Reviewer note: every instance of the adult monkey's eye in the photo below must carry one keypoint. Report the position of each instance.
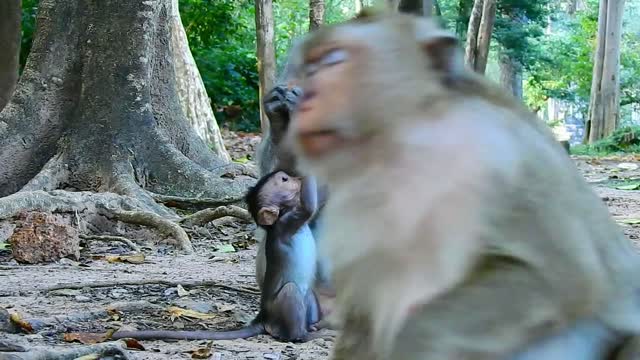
(285, 179)
(334, 57)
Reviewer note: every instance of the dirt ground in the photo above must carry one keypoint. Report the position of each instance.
(216, 282)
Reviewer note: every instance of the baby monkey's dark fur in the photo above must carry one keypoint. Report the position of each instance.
(288, 306)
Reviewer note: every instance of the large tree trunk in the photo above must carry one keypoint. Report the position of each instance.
(483, 16)
(427, 8)
(10, 16)
(195, 102)
(484, 35)
(604, 107)
(410, 6)
(316, 14)
(511, 75)
(266, 53)
(98, 111)
(471, 50)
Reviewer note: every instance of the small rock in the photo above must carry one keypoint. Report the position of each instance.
(82, 298)
(42, 237)
(628, 166)
(56, 80)
(69, 262)
(198, 306)
(118, 293)
(170, 292)
(65, 292)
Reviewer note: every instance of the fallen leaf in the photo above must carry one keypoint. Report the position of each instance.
(88, 338)
(133, 344)
(226, 248)
(225, 307)
(177, 312)
(629, 187)
(628, 166)
(629, 221)
(5, 246)
(23, 324)
(181, 291)
(202, 353)
(131, 259)
(94, 356)
(66, 292)
(242, 160)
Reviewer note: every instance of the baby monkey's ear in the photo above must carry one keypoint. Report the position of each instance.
(268, 215)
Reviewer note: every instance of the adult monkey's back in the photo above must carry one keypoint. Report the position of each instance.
(458, 228)
(272, 154)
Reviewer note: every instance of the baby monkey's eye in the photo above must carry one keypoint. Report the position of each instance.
(285, 179)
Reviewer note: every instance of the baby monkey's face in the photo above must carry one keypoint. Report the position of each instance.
(279, 194)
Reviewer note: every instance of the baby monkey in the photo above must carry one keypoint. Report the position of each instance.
(289, 309)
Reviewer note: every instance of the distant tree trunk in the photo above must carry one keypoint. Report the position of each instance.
(410, 6)
(266, 53)
(571, 7)
(358, 5)
(97, 109)
(484, 35)
(393, 4)
(464, 7)
(511, 75)
(316, 14)
(604, 105)
(471, 50)
(195, 102)
(10, 16)
(427, 8)
(436, 4)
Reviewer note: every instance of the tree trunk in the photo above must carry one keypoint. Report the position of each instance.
(358, 6)
(410, 6)
(484, 35)
(511, 75)
(471, 50)
(604, 107)
(266, 53)
(316, 14)
(571, 7)
(427, 8)
(96, 110)
(195, 102)
(10, 16)
(436, 4)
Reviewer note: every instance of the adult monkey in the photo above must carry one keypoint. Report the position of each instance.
(458, 228)
(271, 154)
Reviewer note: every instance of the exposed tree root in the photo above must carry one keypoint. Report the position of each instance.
(62, 322)
(59, 201)
(185, 203)
(110, 238)
(203, 217)
(50, 177)
(247, 290)
(164, 226)
(112, 350)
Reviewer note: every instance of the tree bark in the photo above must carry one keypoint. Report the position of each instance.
(266, 53)
(484, 35)
(471, 50)
(511, 75)
(436, 4)
(99, 111)
(195, 102)
(427, 8)
(410, 6)
(604, 105)
(10, 16)
(316, 14)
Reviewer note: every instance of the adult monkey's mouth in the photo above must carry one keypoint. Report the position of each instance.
(316, 143)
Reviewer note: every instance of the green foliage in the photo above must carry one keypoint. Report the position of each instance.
(29, 12)
(221, 36)
(625, 139)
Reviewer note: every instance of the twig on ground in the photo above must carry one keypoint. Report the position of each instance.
(63, 321)
(166, 227)
(171, 283)
(185, 203)
(109, 238)
(205, 216)
(40, 353)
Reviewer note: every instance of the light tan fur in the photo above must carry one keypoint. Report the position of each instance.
(437, 179)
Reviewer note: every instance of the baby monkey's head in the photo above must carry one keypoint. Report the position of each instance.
(273, 195)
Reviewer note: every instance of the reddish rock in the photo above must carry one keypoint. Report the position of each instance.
(42, 237)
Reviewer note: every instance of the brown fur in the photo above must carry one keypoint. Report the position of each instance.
(449, 196)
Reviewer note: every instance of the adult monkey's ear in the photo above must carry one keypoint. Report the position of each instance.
(268, 215)
(441, 48)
